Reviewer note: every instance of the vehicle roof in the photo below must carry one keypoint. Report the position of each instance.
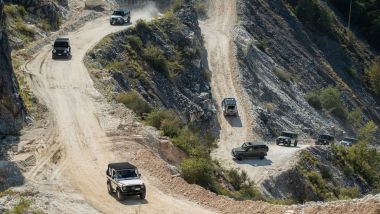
(326, 135)
(122, 9)
(230, 101)
(351, 138)
(288, 132)
(61, 39)
(255, 143)
(122, 165)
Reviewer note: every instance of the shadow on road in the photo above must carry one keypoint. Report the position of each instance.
(234, 121)
(255, 162)
(131, 200)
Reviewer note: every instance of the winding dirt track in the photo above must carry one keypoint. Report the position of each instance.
(218, 32)
(67, 89)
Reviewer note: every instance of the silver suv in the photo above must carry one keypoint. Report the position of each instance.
(229, 107)
(120, 17)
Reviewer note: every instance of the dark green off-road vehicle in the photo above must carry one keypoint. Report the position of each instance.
(250, 150)
(287, 138)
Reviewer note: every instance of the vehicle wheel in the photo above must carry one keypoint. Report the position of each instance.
(119, 196)
(239, 158)
(295, 144)
(142, 196)
(277, 143)
(262, 157)
(109, 187)
(129, 20)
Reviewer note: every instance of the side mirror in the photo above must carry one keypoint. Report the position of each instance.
(139, 174)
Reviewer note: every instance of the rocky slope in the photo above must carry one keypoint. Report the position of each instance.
(178, 81)
(11, 107)
(282, 58)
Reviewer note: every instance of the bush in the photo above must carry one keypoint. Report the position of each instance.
(198, 171)
(20, 208)
(355, 117)
(156, 58)
(176, 5)
(135, 42)
(14, 10)
(142, 26)
(313, 99)
(348, 193)
(330, 99)
(165, 120)
(190, 142)
(201, 7)
(373, 73)
(282, 74)
(262, 45)
(367, 133)
(134, 102)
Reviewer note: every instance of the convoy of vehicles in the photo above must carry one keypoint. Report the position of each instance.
(124, 178)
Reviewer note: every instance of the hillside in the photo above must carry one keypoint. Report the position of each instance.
(300, 76)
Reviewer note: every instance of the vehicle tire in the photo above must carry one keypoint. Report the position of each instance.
(277, 143)
(239, 158)
(142, 196)
(129, 20)
(119, 196)
(295, 144)
(109, 188)
(262, 157)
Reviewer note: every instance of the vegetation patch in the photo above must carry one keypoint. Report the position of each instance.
(373, 73)
(330, 100)
(133, 101)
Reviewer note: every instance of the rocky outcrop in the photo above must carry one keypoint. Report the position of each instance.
(281, 60)
(11, 107)
(47, 10)
(184, 88)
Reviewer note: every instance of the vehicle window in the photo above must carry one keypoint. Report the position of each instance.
(61, 44)
(126, 174)
(286, 134)
(118, 13)
(231, 107)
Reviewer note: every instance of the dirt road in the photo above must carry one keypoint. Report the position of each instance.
(67, 90)
(218, 30)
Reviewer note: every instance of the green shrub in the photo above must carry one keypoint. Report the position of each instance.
(176, 5)
(314, 16)
(349, 193)
(156, 58)
(24, 29)
(351, 71)
(14, 10)
(313, 99)
(171, 127)
(201, 7)
(189, 142)
(156, 117)
(135, 42)
(331, 101)
(325, 172)
(198, 171)
(367, 133)
(21, 208)
(282, 74)
(373, 73)
(134, 102)
(142, 26)
(355, 117)
(262, 45)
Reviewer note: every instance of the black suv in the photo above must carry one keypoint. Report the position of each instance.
(229, 107)
(250, 150)
(287, 138)
(61, 48)
(124, 178)
(324, 139)
(120, 17)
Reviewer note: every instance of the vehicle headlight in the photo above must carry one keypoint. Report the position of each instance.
(54, 51)
(143, 186)
(65, 51)
(124, 188)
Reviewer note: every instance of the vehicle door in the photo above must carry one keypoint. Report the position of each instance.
(113, 176)
(251, 152)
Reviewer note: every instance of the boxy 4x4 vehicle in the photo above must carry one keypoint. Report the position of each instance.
(229, 107)
(287, 138)
(120, 17)
(250, 150)
(124, 178)
(348, 141)
(61, 48)
(324, 139)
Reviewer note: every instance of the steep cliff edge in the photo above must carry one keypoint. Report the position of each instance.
(11, 107)
(283, 59)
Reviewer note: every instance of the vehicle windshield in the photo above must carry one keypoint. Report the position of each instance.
(231, 107)
(118, 13)
(325, 137)
(61, 44)
(127, 174)
(351, 140)
(287, 134)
